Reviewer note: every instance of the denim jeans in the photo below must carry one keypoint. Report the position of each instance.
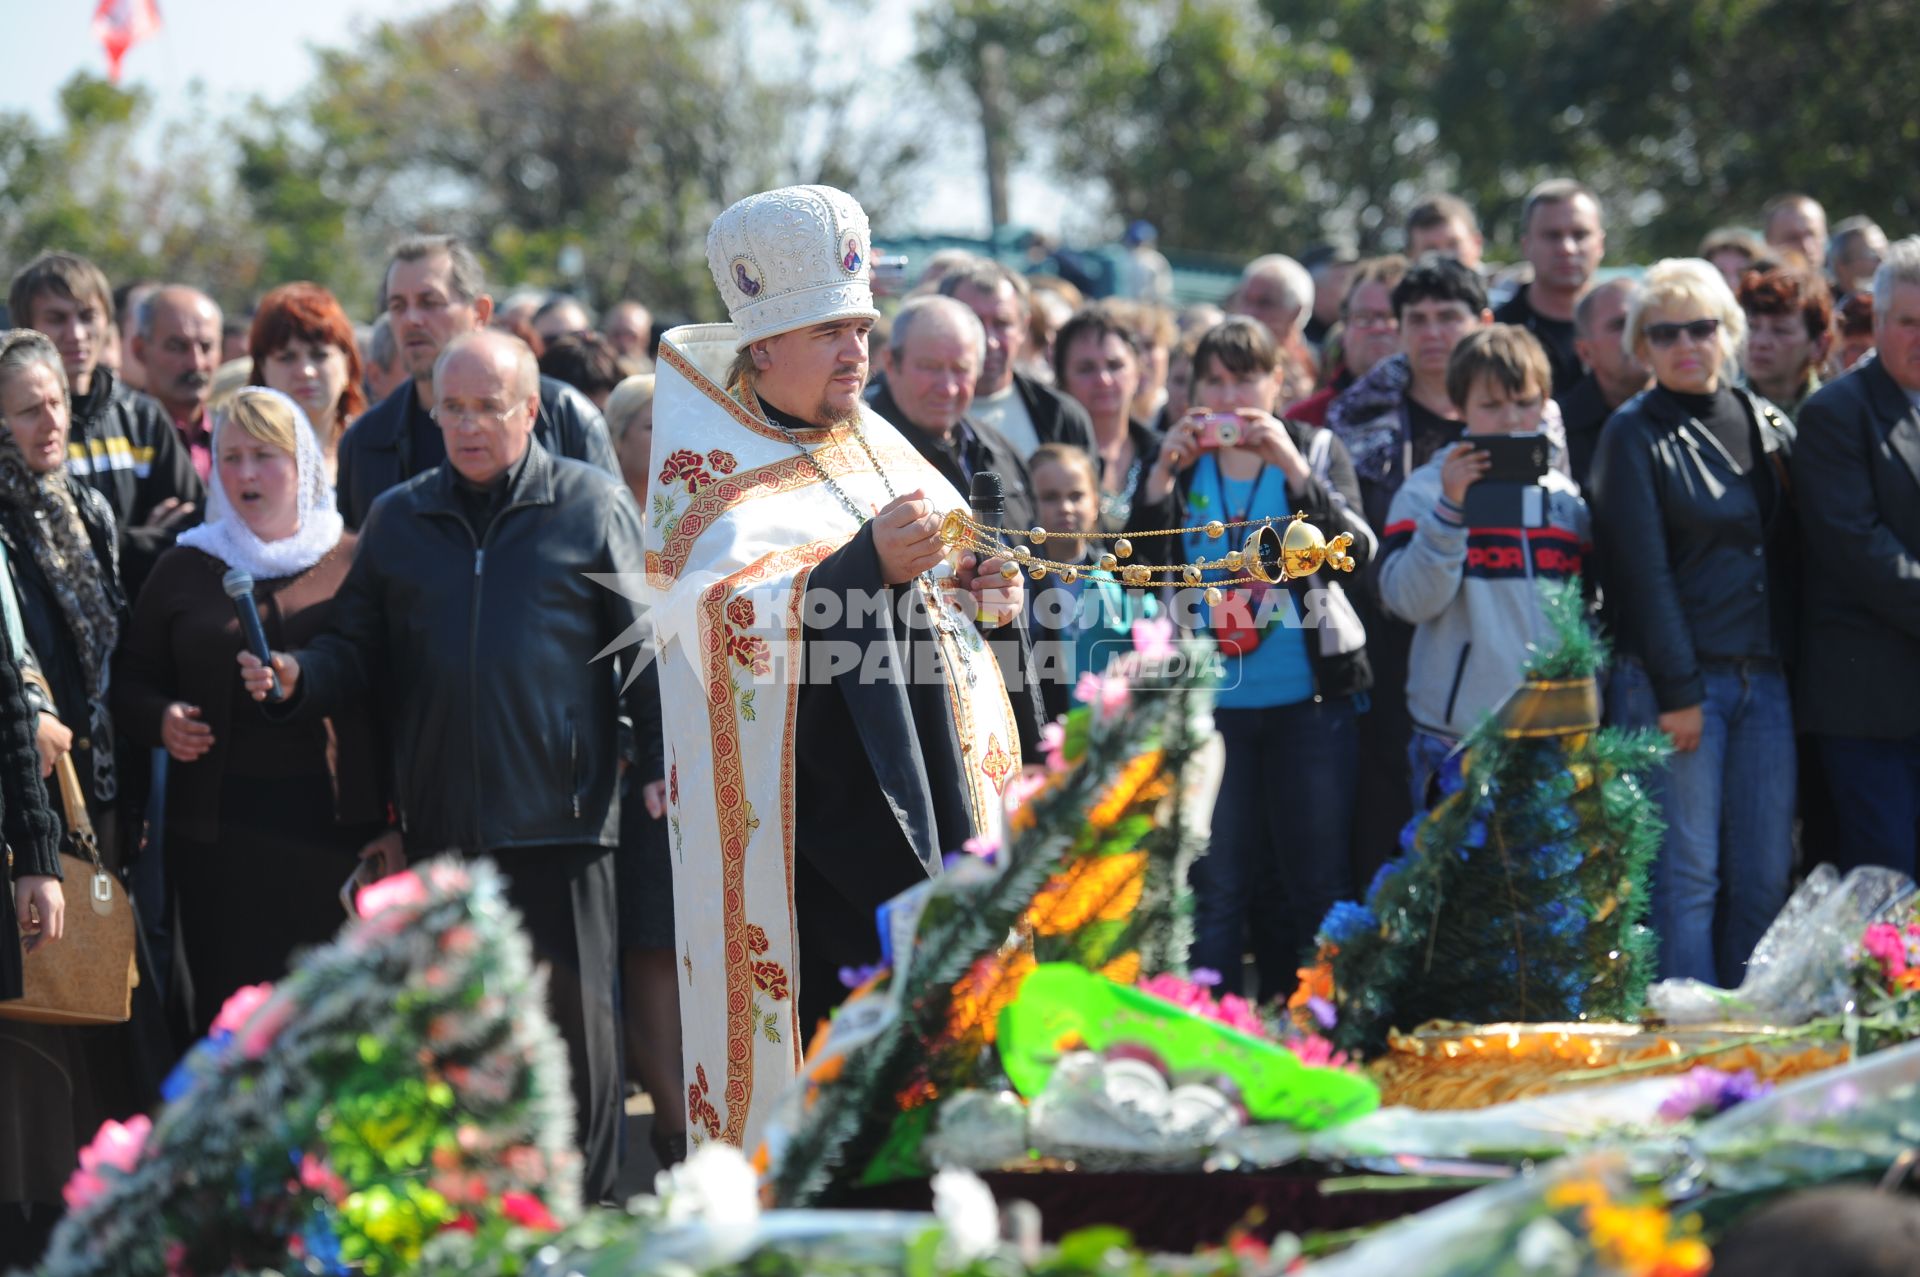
(1281, 824)
(1425, 753)
(1723, 871)
(1875, 786)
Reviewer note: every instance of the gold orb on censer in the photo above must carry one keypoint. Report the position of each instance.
(1300, 551)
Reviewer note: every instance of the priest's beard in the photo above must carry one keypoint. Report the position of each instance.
(827, 415)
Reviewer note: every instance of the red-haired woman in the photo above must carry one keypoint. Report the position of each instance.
(302, 346)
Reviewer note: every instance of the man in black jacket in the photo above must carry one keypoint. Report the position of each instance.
(933, 358)
(472, 602)
(120, 443)
(433, 293)
(1025, 411)
(1563, 237)
(1856, 473)
(1613, 375)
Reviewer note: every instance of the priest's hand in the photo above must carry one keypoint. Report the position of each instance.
(997, 599)
(906, 536)
(258, 682)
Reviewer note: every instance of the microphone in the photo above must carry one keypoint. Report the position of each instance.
(238, 583)
(988, 497)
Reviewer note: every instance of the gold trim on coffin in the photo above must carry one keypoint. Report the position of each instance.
(1461, 1066)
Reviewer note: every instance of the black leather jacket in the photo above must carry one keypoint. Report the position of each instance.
(124, 447)
(1688, 570)
(376, 452)
(483, 652)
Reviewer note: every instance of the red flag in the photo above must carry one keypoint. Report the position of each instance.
(121, 24)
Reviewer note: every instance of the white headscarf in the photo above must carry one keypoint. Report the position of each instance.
(226, 536)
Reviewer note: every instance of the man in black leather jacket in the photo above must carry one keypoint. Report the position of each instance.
(434, 292)
(470, 606)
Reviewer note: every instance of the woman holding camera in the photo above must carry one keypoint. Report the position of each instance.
(1694, 527)
(1293, 657)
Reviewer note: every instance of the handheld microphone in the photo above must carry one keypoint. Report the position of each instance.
(238, 583)
(987, 499)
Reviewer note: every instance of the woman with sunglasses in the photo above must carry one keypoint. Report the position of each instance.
(1693, 525)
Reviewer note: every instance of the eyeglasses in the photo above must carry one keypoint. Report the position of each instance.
(485, 418)
(1699, 331)
(1375, 319)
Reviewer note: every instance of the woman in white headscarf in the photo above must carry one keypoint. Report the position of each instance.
(265, 821)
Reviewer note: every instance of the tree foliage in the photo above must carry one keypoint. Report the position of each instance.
(99, 184)
(616, 130)
(1250, 125)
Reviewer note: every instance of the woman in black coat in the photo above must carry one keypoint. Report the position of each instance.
(56, 1083)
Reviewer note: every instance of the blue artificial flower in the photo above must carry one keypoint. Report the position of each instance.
(1410, 835)
(1382, 876)
(201, 1057)
(1476, 835)
(1562, 821)
(1556, 860)
(1563, 920)
(1346, 921)
(1449, 774)
(322, 1246)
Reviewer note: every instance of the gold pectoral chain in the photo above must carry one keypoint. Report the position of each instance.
(1267, 557)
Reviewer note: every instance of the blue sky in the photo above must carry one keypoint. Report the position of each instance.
(237, 49)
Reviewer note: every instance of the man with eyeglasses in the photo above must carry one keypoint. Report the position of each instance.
(1614, 375)
(434, 292)
(1369, 333)
(473, 609)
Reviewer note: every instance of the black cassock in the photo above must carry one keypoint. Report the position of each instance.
(880, 791)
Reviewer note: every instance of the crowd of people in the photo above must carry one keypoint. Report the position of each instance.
(424, 508)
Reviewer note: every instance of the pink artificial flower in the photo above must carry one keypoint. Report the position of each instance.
(1238, 1013)
(1317, 1052)
(1108, 696)
(177, 1259)
(984, 847)
(240, 1006)
(459, 940)
(390, 891)
(527, 1211)
(316, 1176)
(1882, 940)
(448, 876)
(264, 1026)
(1232, 1010)
(115, 1146)
(1024, 786)
(1153, 637)
(403, 888)
(1053, 743)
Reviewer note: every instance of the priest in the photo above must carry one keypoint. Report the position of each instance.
(835, 721)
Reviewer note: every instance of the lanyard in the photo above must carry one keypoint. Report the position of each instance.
(1220, 482)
